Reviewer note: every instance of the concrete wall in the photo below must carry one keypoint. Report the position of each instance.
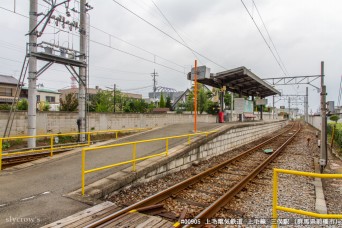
(316, 121)
(54, 122)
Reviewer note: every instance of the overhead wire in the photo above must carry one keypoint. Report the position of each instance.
(339, 93)
(269, 36)
(119, 50)
(173, 28)
(165, 33)
(133, 45)
(136, 56)
(263, 37)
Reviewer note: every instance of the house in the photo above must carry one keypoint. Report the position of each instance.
(43, 94)
(173, 95)
(8, 85)
(94, 91)
(181, 99)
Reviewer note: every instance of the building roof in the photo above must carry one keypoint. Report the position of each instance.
(240, 80)
(42, 90)
(5, 79)
(187, 91)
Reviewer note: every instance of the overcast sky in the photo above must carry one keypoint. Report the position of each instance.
(304, 32)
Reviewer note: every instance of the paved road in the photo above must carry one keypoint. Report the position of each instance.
(34, 196)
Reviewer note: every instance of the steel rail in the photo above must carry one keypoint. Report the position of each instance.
(213, 208)
(154, 199)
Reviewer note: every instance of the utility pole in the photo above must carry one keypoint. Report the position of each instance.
(273, 107)
(83, 69)
(32, 78)
(114, 96)
(307, 105)
(154, 75)
(231, 105)
(289, 107)
(324, 155)
(195, 98)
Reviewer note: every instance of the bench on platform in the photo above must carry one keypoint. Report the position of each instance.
(249, 116)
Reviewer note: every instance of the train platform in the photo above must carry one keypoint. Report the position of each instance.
(38, 192)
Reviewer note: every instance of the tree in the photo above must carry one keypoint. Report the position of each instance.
(213, 108)
(228, 100)
(168, 102)
(104, 101)
(162, 101)
(69, 104)
(189, 104)
(202, 100)
(136, 106)
(334, 118)
(44, 106)
(151, 106)
(22, 104)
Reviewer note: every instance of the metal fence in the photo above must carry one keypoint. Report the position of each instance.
(53, 142)
(134, 159)
(276, 207)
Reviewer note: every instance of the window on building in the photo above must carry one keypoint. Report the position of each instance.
(38, 98)
(7, 92)
(50, 99)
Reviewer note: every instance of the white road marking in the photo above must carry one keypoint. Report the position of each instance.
(31, 197)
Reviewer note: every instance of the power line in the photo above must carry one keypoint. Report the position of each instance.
(128, 53)
(269, 36)
(133, 45)
(173, 28)
(136, 56)
(340, 93)
(165, 33)
(263, 38)
(131, 89)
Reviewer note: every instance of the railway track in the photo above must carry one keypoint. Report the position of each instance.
(193, 201)
(17, 160)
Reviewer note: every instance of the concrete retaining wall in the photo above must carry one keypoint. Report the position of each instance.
(55, 122)
(228, 139)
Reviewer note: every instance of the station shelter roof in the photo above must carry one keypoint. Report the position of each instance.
(240, 80)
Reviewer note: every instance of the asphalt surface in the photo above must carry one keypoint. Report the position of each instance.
(33, 197)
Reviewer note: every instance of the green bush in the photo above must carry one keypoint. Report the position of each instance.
(337, 134)
(22, 104)
(5, 107)
(6, 145)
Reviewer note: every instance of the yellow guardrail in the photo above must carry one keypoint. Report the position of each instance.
(56, 146)
(276, 207)
(134, 153)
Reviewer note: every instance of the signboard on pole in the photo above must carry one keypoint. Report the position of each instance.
(261, 101)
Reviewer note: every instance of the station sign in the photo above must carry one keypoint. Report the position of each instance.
(202, 72)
